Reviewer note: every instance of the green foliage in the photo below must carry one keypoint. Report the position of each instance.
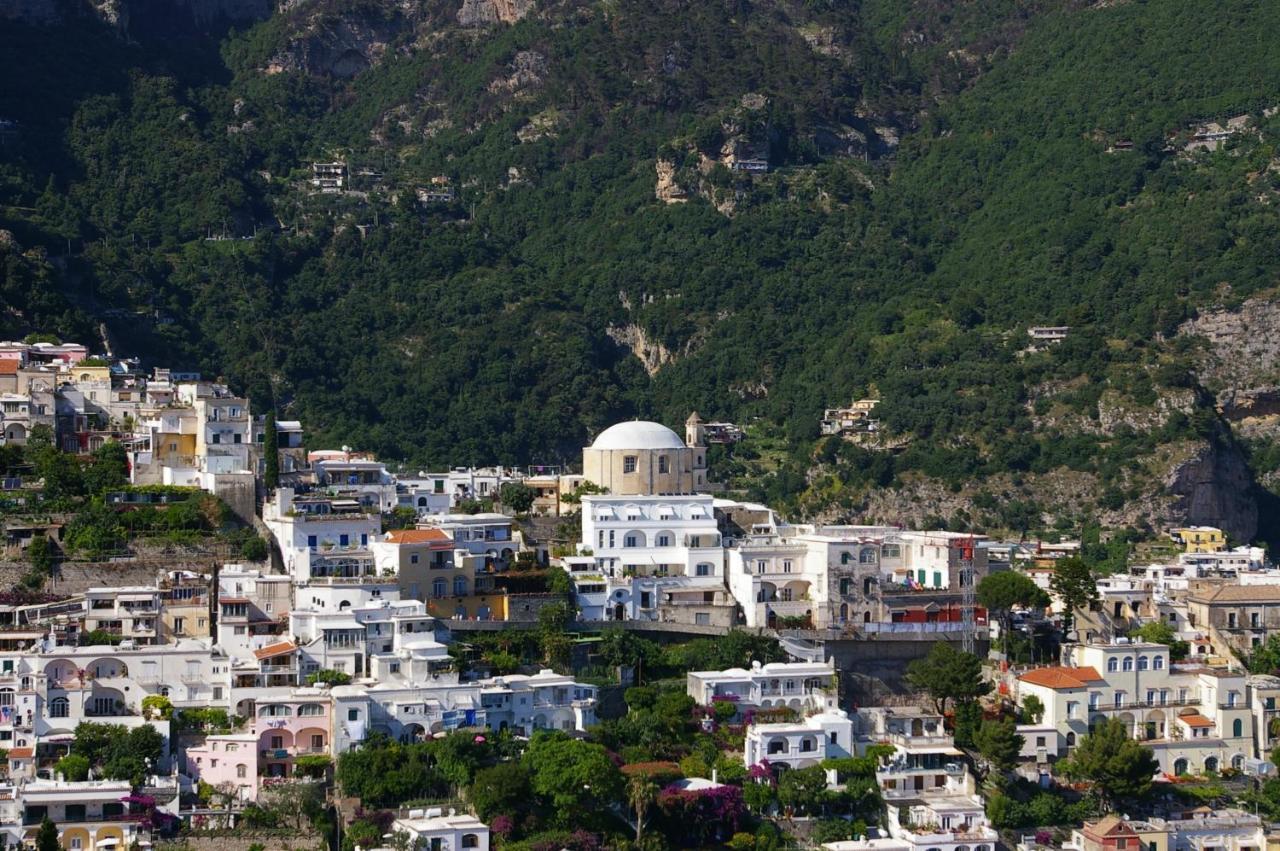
(1074, 584)
(73, 767)
(948, 675)
(517, 496)
(118, 752)
(999, 742)
(385, 773)
(157, 706)
(803, 791)
(40, 554)
(1118, 766)
(1003, 209)
(270, 454)
(47, 836)
(1159, 632)
(1006, 589)
(205, 719)
(502, 789)
(620, 648)
(571, 775)
(329, 677)
(109, 469)
(735, 649)
(254, 548)
(1032, 709)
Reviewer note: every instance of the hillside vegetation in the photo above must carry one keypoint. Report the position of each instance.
(942, 176)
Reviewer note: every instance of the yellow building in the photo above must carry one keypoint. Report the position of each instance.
(1200, 539)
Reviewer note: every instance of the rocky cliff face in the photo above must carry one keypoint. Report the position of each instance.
(1240, 363)
(337, 46)
(124, 15)
(481, 12)
(1215, 488)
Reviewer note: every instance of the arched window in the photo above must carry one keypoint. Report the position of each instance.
(1128, 663)
(275, 710)
(1237, 728)
(867, 556)
(1071, 740)
(807, 744)
(460, 586)
(663, 540)
(1113, 664)
(1180, 767)
(422, 502)
(1157, 662)
(470, 840)
(777, 746)
(310, 710)
(1142, 663)
(438, 588)
(59, 707)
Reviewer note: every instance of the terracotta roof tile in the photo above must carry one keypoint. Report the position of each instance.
(1195, 720)
(1061, 677)
(280, 649)
(21, 753)
(418, 536)
(8, 366)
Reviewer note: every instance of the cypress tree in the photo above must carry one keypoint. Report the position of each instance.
(271, 454)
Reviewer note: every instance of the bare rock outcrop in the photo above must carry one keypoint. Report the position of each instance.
(653, 354)
(338, 46)
(1241, 361)
(481, 12)
(1215, 488)
(668, 190)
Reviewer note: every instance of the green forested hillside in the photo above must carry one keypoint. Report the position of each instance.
(940, 180)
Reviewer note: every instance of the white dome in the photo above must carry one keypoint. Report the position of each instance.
(638, 435)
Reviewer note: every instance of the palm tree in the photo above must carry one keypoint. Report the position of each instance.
(641, 793)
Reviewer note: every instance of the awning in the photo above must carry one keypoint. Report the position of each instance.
(109, 842)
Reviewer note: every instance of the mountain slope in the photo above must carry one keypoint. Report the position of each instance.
(942, 175)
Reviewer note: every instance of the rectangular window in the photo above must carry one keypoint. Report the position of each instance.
(353, 714)
(344, 540)
(702, 618)
(413, 559)
(663, 465)
(216, 438)
(311, 542)
(628, 464)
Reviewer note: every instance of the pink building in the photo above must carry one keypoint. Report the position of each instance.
(227, 761)
(282, 729)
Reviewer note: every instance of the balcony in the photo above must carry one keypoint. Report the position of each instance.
(270, 670)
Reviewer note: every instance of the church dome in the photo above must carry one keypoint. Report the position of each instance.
(638, 434)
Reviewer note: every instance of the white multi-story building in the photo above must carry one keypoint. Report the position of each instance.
(130, 612)
(412, 710)
(364, 480)
(435, 830)
(802, 686)
(652, 535)
(1195, 718)
(800, 744)
(322, 537)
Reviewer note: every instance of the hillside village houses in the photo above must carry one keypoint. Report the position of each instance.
(381, 606)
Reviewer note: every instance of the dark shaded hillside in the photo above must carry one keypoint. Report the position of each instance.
(942, 175)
